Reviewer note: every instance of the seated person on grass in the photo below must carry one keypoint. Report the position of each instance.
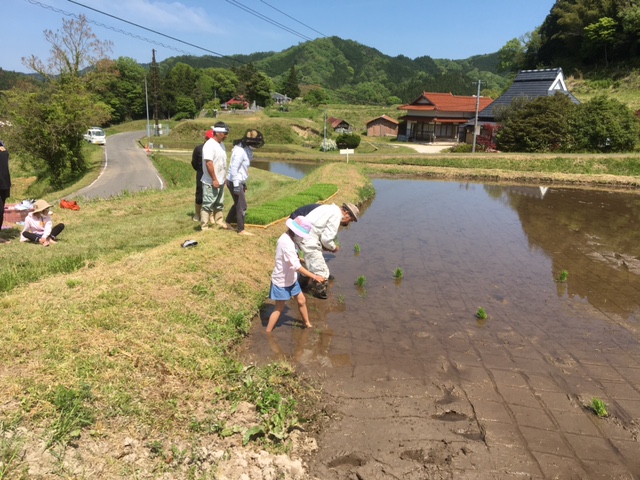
(38, 227)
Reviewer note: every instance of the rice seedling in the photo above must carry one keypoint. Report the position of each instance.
(398, 273)
(356, 248)
(361, 281)
(482, 314)
(599, 407)
(562, 278)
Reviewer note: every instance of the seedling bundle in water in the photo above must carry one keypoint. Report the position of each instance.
(361, 281)
(398, 273)
(564, 275)
(482, 314)
(356, 248)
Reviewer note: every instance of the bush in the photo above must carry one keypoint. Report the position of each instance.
(348, 140)
(605, 125)
(328, 145)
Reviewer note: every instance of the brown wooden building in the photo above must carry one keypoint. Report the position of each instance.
(382, 126)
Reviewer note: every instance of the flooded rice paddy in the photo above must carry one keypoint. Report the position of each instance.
(419, 387)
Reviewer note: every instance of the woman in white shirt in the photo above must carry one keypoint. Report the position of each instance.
(38, 227)
(241, 156)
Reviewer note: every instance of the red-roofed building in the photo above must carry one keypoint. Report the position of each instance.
(339, 125)
(439, 116)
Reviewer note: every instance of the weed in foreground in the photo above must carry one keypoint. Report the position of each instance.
(73, 414)
(11, 449)
(599, 407)
(274, 402)
(482, 314)
(562, 278)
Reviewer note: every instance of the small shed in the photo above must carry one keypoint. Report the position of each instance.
(382, 126)
(339, 125)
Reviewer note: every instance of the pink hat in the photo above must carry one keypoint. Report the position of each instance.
(300, 226)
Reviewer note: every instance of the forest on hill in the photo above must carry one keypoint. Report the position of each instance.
(592, 40)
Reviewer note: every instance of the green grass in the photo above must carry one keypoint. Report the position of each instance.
(398, 273)
(481, 313)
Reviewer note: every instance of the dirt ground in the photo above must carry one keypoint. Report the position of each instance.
(417, 387)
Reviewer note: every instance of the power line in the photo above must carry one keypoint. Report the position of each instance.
(266, 19)
(117, 30)
(150, 30)
(294, 19)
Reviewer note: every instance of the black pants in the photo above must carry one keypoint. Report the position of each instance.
(198, 188)
(239, 210)
(35, 237)
(4, 194)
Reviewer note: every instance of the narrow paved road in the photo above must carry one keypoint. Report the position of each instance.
(127, 169)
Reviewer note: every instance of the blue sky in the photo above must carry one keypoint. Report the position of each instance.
(413, 28)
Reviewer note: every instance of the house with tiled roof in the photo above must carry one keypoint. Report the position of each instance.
(438, 116)
(382, 126)
(529, 84)
(339, 125)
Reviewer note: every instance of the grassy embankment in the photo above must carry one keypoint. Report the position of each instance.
(118, 332)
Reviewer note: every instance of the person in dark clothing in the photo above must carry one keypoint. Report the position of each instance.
(5, 183)
(196, 163)
(305, 210)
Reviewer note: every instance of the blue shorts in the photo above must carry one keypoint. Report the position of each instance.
(285, 293)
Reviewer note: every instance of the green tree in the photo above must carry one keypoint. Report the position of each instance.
(48, 121)
(259, 90)
(291, 87)
(185, 107)
(48, 124)
(316, 97)
(603, 33)
(539, 125)
(511, 56)
(604, 124)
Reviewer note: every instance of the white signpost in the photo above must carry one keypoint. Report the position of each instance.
(346, 151)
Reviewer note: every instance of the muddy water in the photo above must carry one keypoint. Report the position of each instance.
(419, 387)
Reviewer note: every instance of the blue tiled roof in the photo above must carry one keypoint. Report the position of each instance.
(529, 84)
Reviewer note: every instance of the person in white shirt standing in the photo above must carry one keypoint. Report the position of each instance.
(241, 156)
(214, 172)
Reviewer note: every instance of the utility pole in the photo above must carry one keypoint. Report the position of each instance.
(476, 128)
(154, 68)
(146, 99)
(325, 131)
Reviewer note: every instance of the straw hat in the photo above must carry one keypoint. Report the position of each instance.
(353, 210)
(40, 205)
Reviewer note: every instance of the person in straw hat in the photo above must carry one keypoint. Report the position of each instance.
(326, 219)
(284, 279)
(38, 227)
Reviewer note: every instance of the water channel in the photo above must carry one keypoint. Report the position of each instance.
(509, 391)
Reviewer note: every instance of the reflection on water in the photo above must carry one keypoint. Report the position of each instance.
(289, 169)
(593, 235)
(466, 245)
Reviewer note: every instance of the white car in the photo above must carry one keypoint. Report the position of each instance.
(96, 136)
